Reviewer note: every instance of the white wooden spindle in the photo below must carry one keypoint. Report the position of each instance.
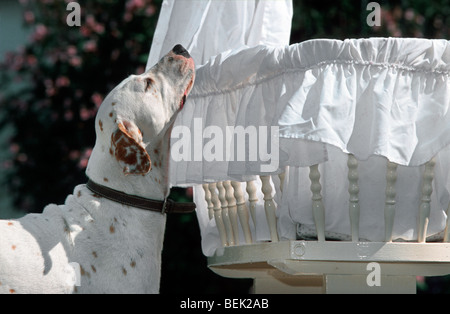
(447, 228)
(389, 208)
(218, 214)
(269, 207)
(317, 204)
(242, 211)
(252, 199)
(424, 209)
(208, 201)
(225, 213)
(281, 177)
(353, 190)
(232, 210)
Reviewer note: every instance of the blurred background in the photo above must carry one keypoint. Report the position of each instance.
(53, 79)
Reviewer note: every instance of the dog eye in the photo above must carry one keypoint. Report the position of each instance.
(148, 83)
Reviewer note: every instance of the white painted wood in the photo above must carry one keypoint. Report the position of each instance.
(242, 211)
(389, 208)
(318, 208)
(353, 190)
(447, 228)
(232, 210)
(225, 214)
(281, 176)
(296, 266)
(424, 209)
(252, 200)
(342, 257)
(208, 201)
(357, 284)
(269, 207)
(218, 214)
(276, 283)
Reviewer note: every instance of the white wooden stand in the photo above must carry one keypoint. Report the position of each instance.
(333, 267)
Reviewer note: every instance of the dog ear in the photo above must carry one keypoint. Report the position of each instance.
(129, 150)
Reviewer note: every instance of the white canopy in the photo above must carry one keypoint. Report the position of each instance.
(379, 99)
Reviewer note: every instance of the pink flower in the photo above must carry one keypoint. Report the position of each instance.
(14, 148)
(94, 25)
(85, 31)
(135, 4)
(84, 114)
(22, 158)
(74, 154)
(31, 60)
(68, 115)
(409, 14)
(82, 164)
(40, 32)
(90, 46)
(75, 61)
(72, 50)
(29, 17)
(7, 164)
(62, 81)
(97, 99)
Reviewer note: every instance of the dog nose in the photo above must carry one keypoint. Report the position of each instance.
(179, 50)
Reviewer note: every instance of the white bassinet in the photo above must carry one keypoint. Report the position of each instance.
(341, 140)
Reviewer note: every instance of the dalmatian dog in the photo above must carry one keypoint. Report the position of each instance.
(103, 240)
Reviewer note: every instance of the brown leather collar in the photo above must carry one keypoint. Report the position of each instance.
(166, 206)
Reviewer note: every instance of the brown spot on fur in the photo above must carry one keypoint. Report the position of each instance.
(100, 123)
(93, 268)
(133, 264)
(13, 247)
(111, 151)
(84, 272)
(105, 179)
(75, 289)
(94, 253)
(10, 223)
(124, 271)
(79, 194)
(113, 103)
(111, 114)
(12, 291)
(112, 229)
(156, 151)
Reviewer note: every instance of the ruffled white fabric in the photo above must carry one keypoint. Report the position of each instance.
(383, 97)
(207, 28)
(379, 99)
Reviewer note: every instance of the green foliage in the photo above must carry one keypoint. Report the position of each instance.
(347, 19)
(53, 87)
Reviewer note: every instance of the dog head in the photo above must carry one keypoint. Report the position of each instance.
(140, 111)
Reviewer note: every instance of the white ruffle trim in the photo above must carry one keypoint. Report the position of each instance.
(386, 97)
